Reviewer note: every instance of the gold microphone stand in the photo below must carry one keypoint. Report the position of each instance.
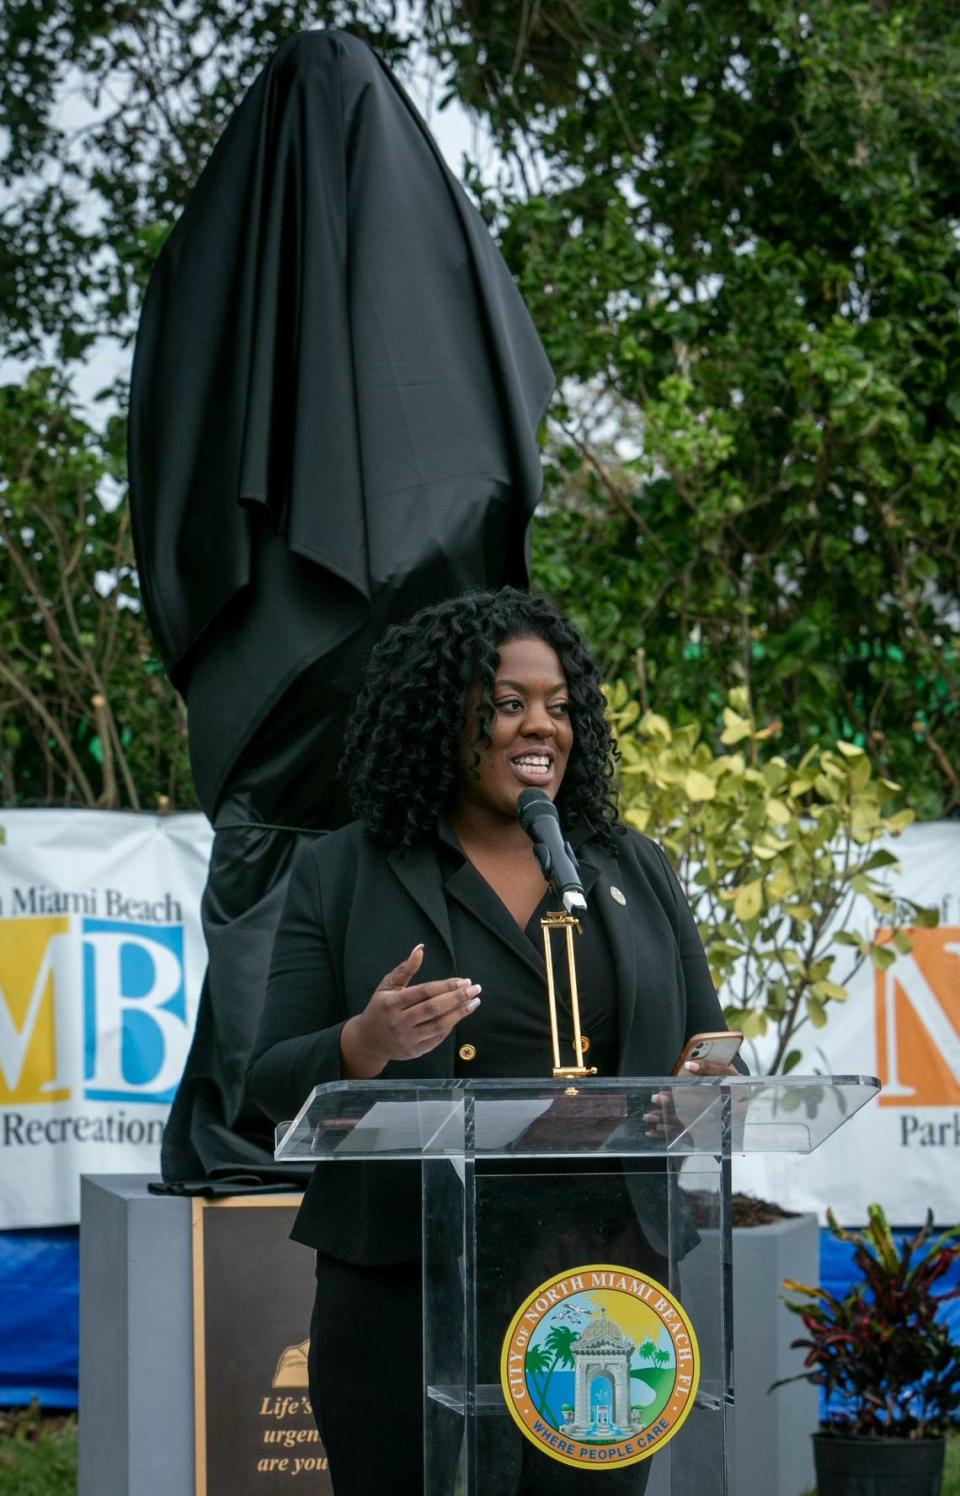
(559, 920)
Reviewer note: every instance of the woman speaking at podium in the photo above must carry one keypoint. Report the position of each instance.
(410, 947)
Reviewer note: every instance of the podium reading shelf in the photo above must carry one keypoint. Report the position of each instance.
(576, 1262)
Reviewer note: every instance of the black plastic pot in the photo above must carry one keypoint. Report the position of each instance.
(878, 1467)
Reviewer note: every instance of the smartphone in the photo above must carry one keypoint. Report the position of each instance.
(720, 1049)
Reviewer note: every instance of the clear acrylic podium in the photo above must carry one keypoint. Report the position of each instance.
(554, 1216)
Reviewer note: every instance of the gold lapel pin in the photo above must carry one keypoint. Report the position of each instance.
(616, 895)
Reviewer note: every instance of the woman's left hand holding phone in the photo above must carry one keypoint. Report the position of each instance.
(403, 1021)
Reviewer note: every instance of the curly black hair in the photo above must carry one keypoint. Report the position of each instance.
(402, 760)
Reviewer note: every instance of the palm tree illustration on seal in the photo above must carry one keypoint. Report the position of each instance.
(648, 1351)
(536, 1364)
(542, 1360)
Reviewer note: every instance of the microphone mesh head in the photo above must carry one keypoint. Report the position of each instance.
(531, 804)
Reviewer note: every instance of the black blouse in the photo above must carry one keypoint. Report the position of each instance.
(509, 1034)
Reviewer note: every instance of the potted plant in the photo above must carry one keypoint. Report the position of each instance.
(885, 1363)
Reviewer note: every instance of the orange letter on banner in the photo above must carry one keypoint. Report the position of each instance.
(918, 1022)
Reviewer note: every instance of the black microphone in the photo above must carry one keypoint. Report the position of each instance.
(539, 819)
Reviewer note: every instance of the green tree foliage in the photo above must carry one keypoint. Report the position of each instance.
(87, 716)
(736, 227)
(110, 112)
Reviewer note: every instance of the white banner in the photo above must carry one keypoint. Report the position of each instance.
(902, 1025)
(101, 962)
(102, 958)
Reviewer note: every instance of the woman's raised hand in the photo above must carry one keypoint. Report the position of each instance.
(402, 1022)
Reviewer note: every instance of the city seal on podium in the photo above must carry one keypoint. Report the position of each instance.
(600, 1366)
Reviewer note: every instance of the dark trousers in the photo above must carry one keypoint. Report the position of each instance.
(366, 1387)
(366, 1376)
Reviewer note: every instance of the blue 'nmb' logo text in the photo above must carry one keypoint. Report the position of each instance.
(135, 1011)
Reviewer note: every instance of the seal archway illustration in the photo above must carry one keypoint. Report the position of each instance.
(602, 1354)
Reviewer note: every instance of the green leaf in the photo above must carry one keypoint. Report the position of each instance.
(878, 859)
(749, 900)
(777, 813)
(656, 725)
(816, 1013)
(752, 1025)
(925, 916)
(765, 852)
(781, 884)
(860, 773)
(736, 728)
(699, 786)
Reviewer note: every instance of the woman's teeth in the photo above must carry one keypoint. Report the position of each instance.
(534, 764)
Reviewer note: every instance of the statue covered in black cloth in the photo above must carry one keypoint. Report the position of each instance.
(334, 414)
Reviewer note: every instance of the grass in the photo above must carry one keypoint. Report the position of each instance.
(38, 1453)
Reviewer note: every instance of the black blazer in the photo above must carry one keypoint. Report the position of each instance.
(354, 910)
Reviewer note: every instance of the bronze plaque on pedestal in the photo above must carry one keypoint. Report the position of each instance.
(252, 1299)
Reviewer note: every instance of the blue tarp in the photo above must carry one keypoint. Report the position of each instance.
(39, 1300)
(39, 1316)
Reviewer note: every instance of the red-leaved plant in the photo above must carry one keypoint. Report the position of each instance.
(881, 1348)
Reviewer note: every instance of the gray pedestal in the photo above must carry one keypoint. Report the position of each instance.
(774, 1451)
(136, 1340)
(136, 1349)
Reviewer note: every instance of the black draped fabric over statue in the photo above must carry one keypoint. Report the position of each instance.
(334, 414)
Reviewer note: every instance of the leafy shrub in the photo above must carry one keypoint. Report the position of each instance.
(771, 857)
(882, 1348)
